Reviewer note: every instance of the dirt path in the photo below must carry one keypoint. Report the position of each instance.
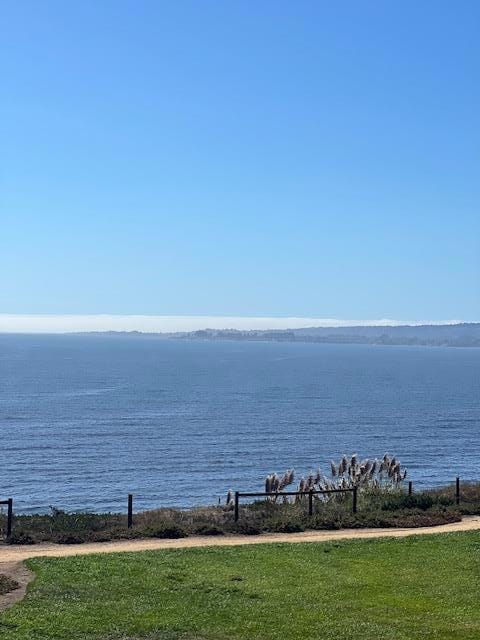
(11, 557)
(19, 553)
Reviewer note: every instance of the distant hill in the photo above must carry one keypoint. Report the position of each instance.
(451, 335)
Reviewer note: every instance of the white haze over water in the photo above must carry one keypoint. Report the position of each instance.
(46, 323)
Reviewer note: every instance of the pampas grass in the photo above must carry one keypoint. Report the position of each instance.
(385, 474)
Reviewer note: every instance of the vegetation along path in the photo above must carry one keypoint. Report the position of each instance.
(18, 553)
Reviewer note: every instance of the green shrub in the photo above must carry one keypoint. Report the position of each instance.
(280, 525)
(70, 538)
(165, 531)
(445, 501)
(208, 530)
(20, 537)
(421, 501)
(100, 536)
(247, 527)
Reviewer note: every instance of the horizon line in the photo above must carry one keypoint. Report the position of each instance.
(84, 323)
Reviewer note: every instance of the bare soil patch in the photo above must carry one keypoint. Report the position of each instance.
(14, 579)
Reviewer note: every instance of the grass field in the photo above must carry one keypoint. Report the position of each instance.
(421, 587)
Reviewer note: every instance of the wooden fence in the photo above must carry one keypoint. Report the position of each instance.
(245, 494)
(9, 504)
(310, 494)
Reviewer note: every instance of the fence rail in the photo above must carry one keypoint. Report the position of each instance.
(310, 494)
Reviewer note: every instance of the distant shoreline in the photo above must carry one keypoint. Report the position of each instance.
(428, 335)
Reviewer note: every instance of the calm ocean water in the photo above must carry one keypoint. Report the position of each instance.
(86, 419)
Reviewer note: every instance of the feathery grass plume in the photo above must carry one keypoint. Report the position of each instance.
(275, 483)
(272, 482)
(386, 473)
(283, 481)
(291, 476)
(268, 484)
(229, 498)
(310, 481)
(288, 478)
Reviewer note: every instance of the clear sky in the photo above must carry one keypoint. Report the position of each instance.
(270, 158)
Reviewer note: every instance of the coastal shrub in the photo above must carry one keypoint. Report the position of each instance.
(430, 518)
(247, 528)
(421, 501)
(100, 536)
(123, 534)
(70, 538)
(284, 525)
(249, 524)
(397, 519)
(444, 500)
(208, 530)
(165, 531)
(47, 527)
(20, 537)
(469, 497)
(60, 521)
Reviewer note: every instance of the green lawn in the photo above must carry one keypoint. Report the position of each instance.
(425, 587)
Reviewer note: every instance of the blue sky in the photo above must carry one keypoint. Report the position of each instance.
(229, 158)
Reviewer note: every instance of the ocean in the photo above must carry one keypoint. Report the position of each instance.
(87, 419)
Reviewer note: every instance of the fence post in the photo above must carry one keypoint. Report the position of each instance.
(130, 511)
(9, 517)
(457, 490)
(410, 488)
(310, 503)
(354, 506)
(236, 506)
